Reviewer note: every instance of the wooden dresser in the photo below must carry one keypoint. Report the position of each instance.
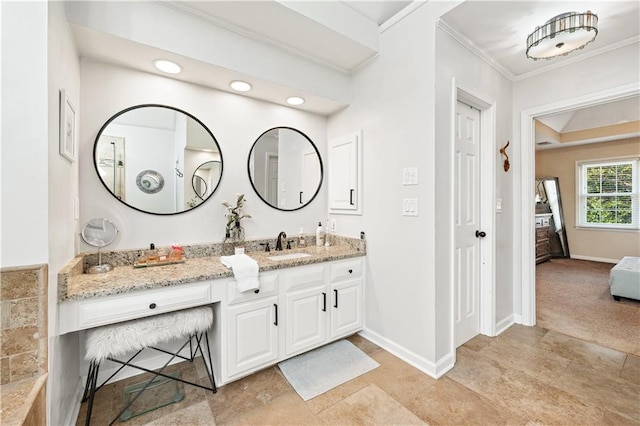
(543, 250)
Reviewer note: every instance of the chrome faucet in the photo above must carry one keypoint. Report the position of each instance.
(279, 240)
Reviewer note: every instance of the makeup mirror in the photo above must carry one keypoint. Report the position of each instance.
(99, 233)
(147, 156)
(285, 168)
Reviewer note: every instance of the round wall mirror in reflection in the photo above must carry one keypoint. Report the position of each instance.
(146, 155)
(285, 168)
(205, 177)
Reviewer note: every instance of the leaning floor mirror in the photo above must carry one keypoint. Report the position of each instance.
(549, 201)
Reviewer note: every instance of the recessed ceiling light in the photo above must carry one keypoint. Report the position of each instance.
(295, 100)
(240, 86)
(167, 66)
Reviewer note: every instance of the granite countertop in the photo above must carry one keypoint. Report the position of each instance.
(73, 284)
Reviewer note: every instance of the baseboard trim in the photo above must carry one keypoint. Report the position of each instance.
(502, 325)
(435, 370)
(594, 259)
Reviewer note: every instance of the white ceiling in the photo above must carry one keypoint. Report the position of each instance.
(343, 35)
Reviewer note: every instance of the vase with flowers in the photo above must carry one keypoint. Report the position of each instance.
(234, 232)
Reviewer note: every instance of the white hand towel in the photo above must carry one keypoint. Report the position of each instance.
(245, 271)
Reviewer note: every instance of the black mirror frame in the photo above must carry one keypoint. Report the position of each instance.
(319, 160)
(113, 117)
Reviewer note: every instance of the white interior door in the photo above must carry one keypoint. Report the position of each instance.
(467, 224)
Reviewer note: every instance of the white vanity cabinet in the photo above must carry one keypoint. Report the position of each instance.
(253, 326)
(347, 297)
(306, 308)
(345, 174)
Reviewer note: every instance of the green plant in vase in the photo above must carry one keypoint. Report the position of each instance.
(234, 231)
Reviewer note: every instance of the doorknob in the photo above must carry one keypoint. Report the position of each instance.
(481, 234)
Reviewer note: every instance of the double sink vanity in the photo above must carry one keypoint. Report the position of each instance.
(307, 297)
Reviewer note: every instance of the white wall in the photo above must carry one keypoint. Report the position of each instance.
(394, 105)
(235, 121)
(25, 186)
(455, 61)
(591, 76)
(64, 73)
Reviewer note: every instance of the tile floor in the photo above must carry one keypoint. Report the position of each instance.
(526, 376)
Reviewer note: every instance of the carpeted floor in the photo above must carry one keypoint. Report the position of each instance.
(572, 297)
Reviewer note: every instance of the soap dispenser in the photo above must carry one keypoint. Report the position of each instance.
(319, 235)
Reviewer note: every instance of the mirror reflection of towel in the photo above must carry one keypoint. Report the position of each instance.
(245, 271)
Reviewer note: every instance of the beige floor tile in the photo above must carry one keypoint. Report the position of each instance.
(631, 369)
(602, 390)
(194, 415)
(478, 342)
(363, 344)
(475, 372)
(523, 334)
(247, 393)
(450, 403)
(588, 354)
(538, 362)
(337, 394)
(288, 409)
(616, 419)
(369, 406)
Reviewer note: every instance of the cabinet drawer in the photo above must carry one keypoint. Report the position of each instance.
(268, 287)
(542, 249)
(542, 234)
(122, 308)
(346, 269)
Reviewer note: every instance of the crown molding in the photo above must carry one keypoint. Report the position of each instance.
(475, 49)
(582, 57)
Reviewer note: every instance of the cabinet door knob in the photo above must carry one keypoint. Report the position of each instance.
(152, 306)
(351, 271)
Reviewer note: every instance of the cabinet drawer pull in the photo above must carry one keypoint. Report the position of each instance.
(351, 196)
(257, 291)
(324, 302)
(152, 306)
(275, 306)
(335, 303)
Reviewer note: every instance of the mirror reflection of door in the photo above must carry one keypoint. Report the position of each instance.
(271, 178)
(285, 168)
(110, 158)
(310, 169)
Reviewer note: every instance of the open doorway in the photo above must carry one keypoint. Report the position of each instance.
(597, 100)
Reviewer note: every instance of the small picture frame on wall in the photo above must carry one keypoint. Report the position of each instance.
(68, 143)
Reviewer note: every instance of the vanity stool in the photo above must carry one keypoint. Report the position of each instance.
(112, 341)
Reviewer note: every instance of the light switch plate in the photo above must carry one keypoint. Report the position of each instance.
(499, 205)
(410, 207)
(410, 176)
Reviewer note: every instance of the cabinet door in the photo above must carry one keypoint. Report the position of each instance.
(346, 307)
(253, 335)
(345, 166)
(306, 323)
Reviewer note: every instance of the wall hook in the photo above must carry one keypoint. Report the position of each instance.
(503, 151)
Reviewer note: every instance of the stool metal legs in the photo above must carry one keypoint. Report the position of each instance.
(195, 346)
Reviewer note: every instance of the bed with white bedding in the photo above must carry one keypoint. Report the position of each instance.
(624, 278)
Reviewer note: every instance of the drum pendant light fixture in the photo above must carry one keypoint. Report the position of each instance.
(562, 34)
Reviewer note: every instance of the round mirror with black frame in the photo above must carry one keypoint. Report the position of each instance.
(285, 168)
(146, 157)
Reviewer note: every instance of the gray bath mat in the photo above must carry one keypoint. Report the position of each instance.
(322, 369)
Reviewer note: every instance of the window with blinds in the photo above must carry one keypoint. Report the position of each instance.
(608, 194)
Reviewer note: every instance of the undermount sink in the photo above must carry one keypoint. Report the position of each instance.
(289, 256)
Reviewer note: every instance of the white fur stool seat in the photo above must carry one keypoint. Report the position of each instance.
(118, 339)
(111, 342)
